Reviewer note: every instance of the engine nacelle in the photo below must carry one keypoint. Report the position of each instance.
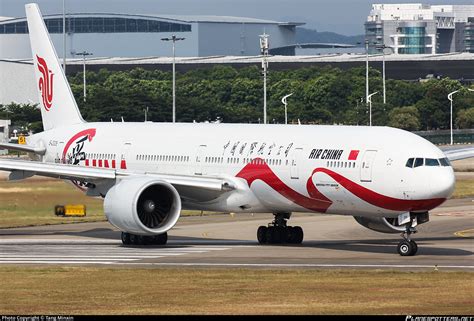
(144, 206)
(389, 224)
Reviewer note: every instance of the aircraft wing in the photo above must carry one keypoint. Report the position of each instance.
(189, 186)
(23, 148)
(459, 153)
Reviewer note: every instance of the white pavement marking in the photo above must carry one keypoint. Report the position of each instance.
(58, 262)
(100, 254)
(310, 265)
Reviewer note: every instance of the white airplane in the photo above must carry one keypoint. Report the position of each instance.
(387, 179)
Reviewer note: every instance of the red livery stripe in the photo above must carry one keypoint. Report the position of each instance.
(257, 170)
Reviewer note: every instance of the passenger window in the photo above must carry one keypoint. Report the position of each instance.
(418, 162)
(431, 162)
(410, 162)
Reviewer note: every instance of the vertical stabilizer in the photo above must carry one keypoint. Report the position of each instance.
(58, 107)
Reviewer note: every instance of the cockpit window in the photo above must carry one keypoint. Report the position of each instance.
(431, 162)
(444, 161)
(418, 162)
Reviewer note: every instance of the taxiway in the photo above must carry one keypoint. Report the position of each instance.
(446, 242)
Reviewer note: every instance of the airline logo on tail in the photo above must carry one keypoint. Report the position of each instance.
(45, 83)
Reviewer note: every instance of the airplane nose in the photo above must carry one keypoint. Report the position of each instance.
(442, 184)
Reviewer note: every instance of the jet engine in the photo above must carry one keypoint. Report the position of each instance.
(143, 206)
(388, 224)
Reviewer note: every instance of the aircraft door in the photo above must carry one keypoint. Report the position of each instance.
(125, 157)
(295, 163)
(366, 166)
(200, 154)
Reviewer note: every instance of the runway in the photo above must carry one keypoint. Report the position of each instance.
(445, 243)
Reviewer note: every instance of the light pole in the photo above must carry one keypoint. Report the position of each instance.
(369, 99)
(383, 47)
(84, 54)
(283, 100)
(174, 39)
(264, 46)
(450, 97)
(367, 71)
(64, 36)
(146, 114)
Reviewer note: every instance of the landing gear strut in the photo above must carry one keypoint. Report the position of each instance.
(407, 247)
(133, 239)
(278, 232)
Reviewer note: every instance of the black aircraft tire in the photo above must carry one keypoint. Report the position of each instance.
(126, 238)
(262, 234)
(405, 248)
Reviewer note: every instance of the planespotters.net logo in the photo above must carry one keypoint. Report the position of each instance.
(45, 83)
(439, 318)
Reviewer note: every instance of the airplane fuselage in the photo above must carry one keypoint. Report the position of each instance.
(345, 170)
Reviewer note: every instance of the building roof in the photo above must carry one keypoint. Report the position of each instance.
(464, 56)
(177, 18)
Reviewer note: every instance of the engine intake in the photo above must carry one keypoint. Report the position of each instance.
(145, 206)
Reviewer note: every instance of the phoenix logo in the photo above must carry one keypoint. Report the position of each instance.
(77, 144)
(45, 83)
(73, 152)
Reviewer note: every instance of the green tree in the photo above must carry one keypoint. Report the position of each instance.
(407, 118)
(465, 118)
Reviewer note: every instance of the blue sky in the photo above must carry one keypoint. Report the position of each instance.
(342, 16)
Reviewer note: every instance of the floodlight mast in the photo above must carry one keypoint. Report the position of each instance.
(64, 36)
(174, 39)
(84, 54)
(264, 46)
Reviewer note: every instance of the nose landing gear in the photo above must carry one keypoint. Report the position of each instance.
(407, 247)
(278, 232)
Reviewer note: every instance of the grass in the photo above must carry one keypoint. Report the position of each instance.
(31, 202)
(464, 188)
(79, 290)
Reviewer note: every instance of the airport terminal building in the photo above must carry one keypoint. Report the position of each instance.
(417, 28)
(126, 35)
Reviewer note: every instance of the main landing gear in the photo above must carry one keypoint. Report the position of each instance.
(133, 239)
(407, 247)
(278, 232)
